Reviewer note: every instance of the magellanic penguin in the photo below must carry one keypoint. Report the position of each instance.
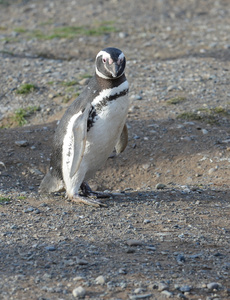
(92, 126)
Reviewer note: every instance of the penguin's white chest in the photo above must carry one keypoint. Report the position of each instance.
(104, 134)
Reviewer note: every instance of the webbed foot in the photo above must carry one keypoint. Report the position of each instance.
(88, 201)
(87, 192)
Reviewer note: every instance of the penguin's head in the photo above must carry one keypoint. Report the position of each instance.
(110, 63)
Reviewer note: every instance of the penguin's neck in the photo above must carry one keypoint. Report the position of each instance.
(109, 83)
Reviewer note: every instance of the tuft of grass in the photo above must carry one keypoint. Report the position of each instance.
(70, 32)
(175, 100)
(21, 114)
(189, 116)
(20, 30)
(69, 83)
(4, 200)
(26, 88)
(206, 115)
(83, 76)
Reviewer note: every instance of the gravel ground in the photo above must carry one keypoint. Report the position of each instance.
(166, 231)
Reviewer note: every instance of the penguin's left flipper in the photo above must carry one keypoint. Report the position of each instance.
(88, 201)
(79, 140)
(123, 140)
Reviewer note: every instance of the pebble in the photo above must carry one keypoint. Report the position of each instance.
(22, 143)
(79, 292)
(185, 288)
(100, 280)
(143, 296)
(162, 286)
(204, 131)
(160, 186)
(50, 248)
(146, 221)
(167, 294)
(134, 243)
(213, 286)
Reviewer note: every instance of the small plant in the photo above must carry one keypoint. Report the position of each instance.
(69, 83)
(4, 200)
(175, 100)
(86, 75)
(26, 88)
(21, 114)
(207, 115)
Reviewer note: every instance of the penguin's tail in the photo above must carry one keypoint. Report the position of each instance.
(51, 184)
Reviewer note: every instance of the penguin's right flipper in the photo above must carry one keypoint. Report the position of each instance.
(123, 140)
(79, 140)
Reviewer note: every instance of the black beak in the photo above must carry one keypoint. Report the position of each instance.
(115, 69)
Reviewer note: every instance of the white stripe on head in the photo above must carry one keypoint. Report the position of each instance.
(104, 54)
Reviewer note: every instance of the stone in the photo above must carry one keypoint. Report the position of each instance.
(213, 286)
(134, 243)
(100, 280)
(185, 288)
(167, 294)
(79, 292)
(162, 286)
(160, 186)
(22, 143)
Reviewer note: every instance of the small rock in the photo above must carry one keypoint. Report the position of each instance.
(123, 35)
(29, 209)
(146, 221)
(134, 243)
(185, 288)
(167, 294)
(213, 286)
(122, 271)
(143, 296)
(138, 290)
(160, 186)
(22, 143)
(162, 286)
(79, 292)
(212, 170)
(50, 248)
(51, 96)
(204, 131)
(180, 259)
(100, 280)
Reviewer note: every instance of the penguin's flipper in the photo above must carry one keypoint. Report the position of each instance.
(79, 140)
(123, 140)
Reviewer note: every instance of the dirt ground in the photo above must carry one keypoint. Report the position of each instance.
(166, 231)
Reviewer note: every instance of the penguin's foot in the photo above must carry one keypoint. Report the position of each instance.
(88, 201)
(86, 191)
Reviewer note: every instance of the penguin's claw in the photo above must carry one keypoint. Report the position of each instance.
(87, 191)
(88, 201)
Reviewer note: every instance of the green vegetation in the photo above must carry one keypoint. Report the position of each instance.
(207, 115)
(175, 100)
(4, 200)
(26, 88)
(83, 76)
(21, 114)
(70, 32)
(69, 83)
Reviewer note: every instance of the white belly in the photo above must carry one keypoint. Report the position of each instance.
(103, 136)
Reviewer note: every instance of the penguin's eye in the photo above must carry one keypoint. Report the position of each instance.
(104, 60)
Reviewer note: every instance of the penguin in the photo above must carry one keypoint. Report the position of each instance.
(90, 129)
